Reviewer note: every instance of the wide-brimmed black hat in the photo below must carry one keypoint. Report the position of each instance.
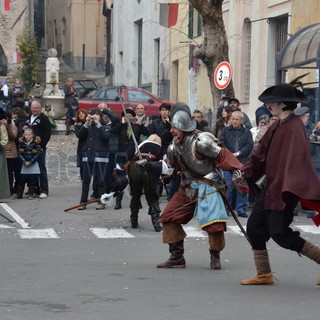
(283, 93)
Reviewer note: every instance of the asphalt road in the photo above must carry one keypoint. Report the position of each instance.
(91, 265)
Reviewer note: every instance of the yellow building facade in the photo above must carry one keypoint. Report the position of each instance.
(76, 28)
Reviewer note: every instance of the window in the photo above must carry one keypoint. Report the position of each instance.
(138, 96)
(111, 94)
(247, 61)
(101, 94)
(281, 33)
(195, 23)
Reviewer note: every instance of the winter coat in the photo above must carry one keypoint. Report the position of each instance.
(11, 147)
(242, 137)
(29, 152)
(41, 127)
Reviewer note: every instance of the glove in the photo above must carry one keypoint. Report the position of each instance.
(237, 177)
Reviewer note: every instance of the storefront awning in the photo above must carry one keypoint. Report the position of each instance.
(301, 49)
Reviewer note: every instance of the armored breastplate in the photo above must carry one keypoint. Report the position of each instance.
(191, 166)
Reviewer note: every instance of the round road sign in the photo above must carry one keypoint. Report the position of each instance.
(222, 75)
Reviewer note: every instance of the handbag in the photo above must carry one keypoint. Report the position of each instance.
(32, 169)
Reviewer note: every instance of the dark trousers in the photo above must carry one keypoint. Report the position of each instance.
(97, 171)
(44, 187)
(265, 224)
(14, 169)
(140, 180)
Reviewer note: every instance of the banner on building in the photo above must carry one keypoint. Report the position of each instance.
(5, 5)
(168, 14)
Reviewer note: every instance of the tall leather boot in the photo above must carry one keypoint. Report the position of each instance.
(312, 252)
(264, 274)
(134, 218)
(176, 260)
(155, 213)
(217, 244)
(118, 201)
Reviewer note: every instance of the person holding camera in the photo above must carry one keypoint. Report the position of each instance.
(94, 156)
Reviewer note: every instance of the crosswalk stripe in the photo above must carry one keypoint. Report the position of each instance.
(235, 230)
(309, 229)
(3, 226)
(115, 233)
(15, 216)
(104, 233)
(38, 234)
(194, 232)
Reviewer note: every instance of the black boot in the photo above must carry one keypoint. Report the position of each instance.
(30, 191)
(134, 218)
(154, 213)
(176, 259)
(19, 192)
(215, 263)
(118, 201)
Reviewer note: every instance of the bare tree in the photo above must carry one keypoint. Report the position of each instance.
(214, 48)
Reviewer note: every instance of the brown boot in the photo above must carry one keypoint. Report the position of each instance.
(215, 263)
(176, 259)
(312, 252)
(264, 274)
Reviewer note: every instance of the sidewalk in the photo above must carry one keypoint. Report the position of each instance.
(61, 160)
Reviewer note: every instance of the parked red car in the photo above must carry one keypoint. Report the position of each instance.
(128, 95)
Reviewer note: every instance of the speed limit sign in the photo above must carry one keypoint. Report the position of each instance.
(222, 75)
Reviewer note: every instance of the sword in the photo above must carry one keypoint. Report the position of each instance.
(141, 160)
(228, 205)
(106, 198)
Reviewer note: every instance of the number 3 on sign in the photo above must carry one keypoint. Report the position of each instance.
(222, 75)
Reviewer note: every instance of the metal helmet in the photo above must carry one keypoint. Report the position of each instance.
(181, 120)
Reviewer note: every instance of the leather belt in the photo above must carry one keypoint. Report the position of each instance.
(145, 156)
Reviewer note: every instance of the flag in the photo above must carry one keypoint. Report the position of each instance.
(5, 5)
(168, 14)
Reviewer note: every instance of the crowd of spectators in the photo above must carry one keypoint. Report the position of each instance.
(110, 146)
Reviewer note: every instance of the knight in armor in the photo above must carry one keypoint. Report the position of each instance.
(199, 157)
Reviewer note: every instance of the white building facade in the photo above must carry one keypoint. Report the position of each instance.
(141, 47)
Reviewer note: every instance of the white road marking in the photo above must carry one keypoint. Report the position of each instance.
(38, 234)
(235, 230)
(15, 216)
(309, 229)
(3, 226)
(104, 233)
(194, 232)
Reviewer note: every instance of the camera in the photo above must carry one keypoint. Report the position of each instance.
(131, 120)
(317, 132)
(91, 117)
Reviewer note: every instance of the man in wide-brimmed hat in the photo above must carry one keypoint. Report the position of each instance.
(283, 159)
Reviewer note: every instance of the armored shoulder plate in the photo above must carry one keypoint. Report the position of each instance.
(206, 145)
